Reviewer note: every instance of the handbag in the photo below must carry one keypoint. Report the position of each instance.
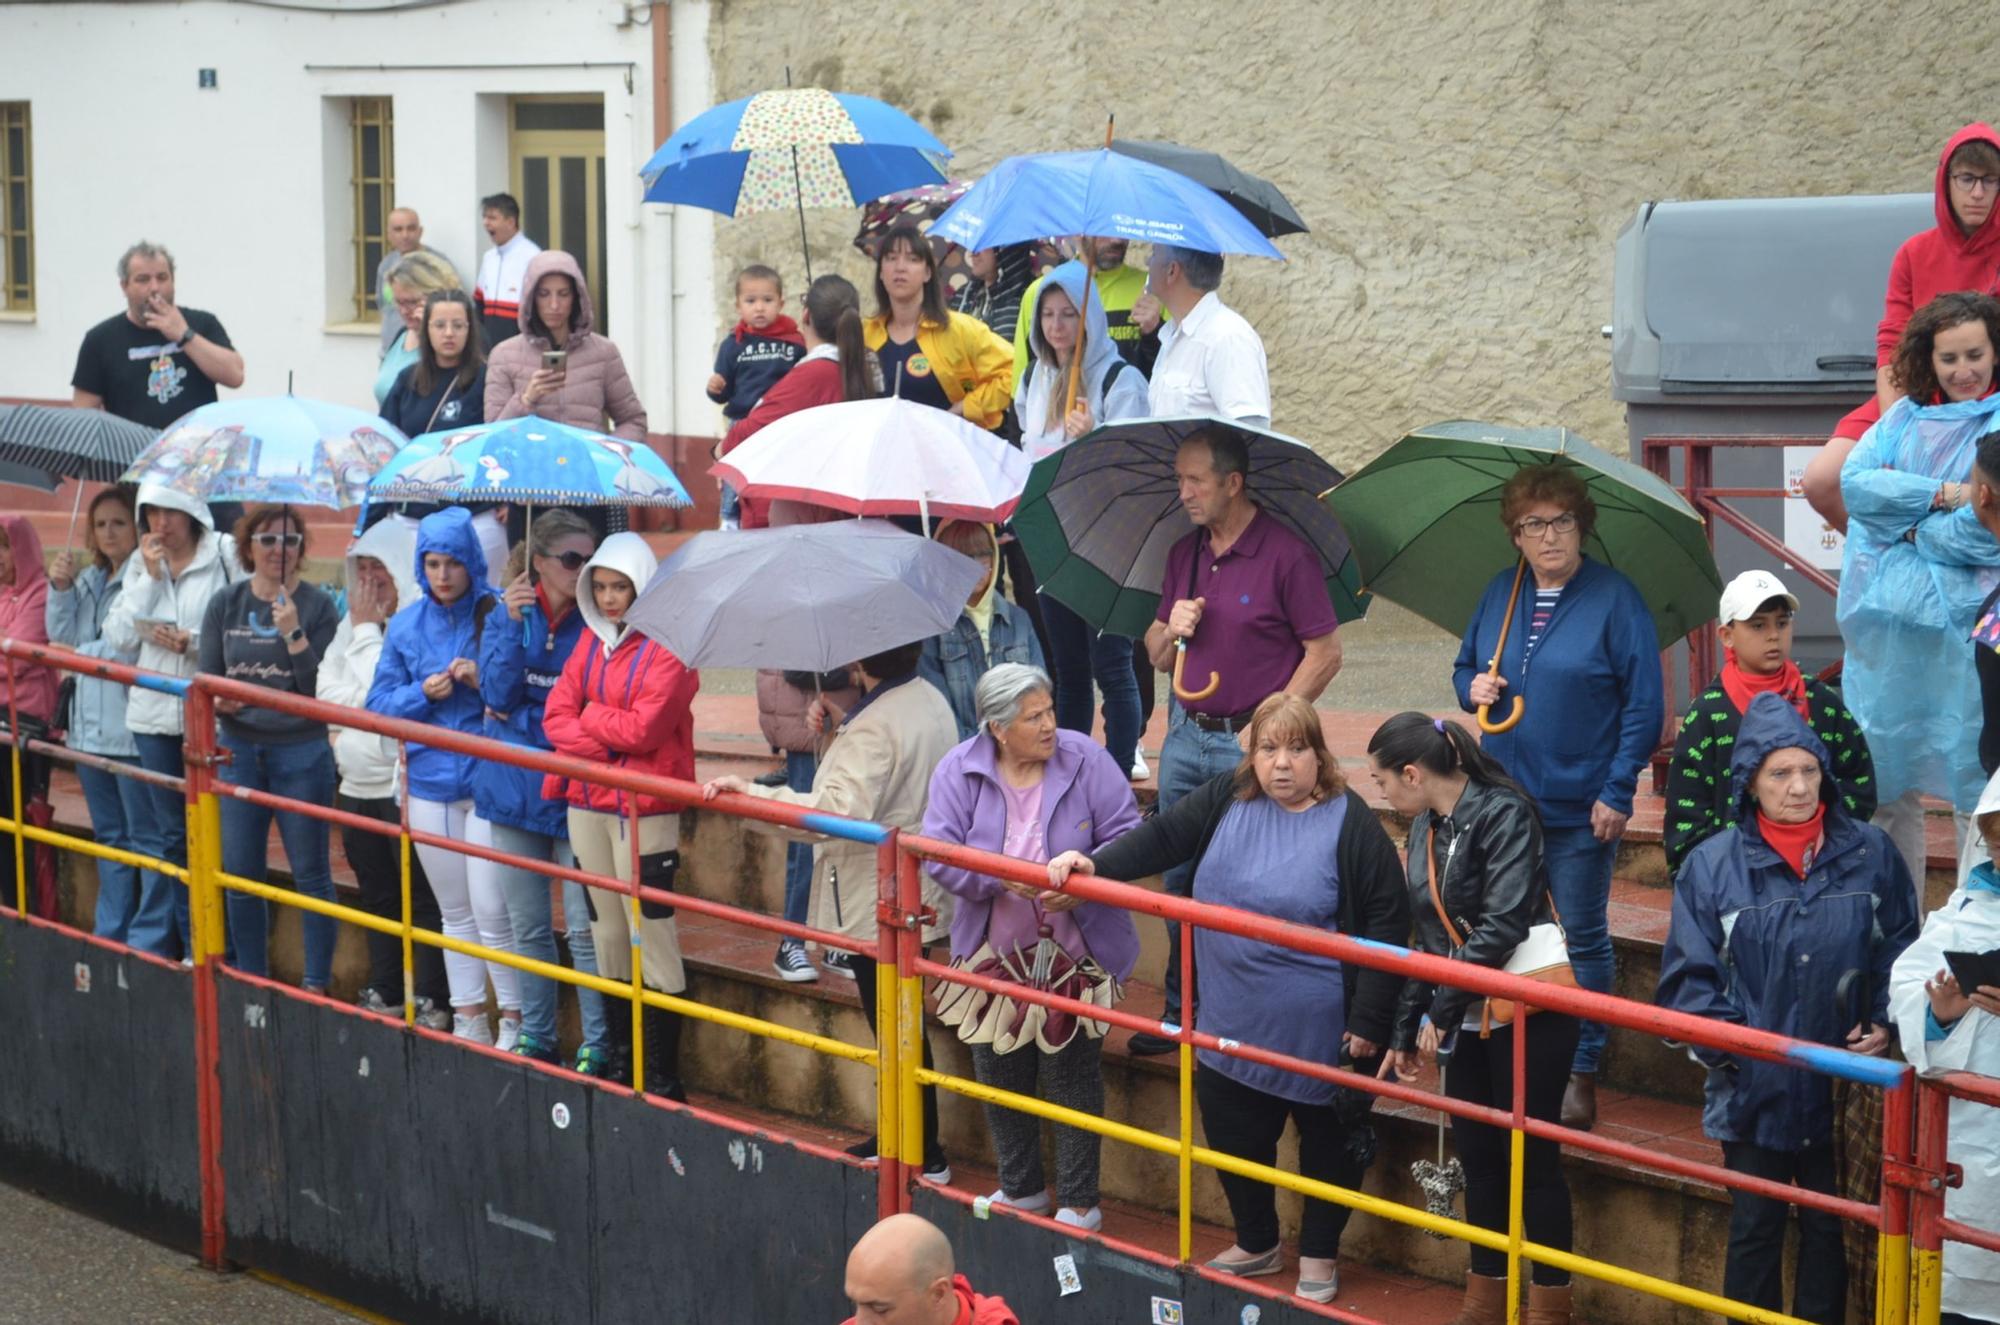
(1542, 956)
(1007, 1024)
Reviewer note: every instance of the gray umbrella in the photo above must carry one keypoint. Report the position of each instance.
(68, 442)
(805, 597)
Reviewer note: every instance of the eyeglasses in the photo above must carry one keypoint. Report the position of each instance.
(571, 560)
(1976, 183)
(269, 541)
(1536, 527)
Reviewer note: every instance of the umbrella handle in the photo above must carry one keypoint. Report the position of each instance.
(1493, 668)
(1182, 692)
(1505, 724)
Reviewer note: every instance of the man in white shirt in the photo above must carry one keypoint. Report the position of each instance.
(1211, 360)
(501, 269)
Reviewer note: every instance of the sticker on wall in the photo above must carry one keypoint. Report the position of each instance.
(559, 1115)
(674, 1162)
(1166, 1311)
(253, 1016)
(83, 977)
(1067, 1278)
(1252, 1313)
(362, 1069)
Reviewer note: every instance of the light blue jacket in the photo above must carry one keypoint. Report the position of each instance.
(1911, 581)
(424, 639)
(955, 660)
(75, 618)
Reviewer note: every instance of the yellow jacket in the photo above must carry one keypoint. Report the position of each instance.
(973, 365)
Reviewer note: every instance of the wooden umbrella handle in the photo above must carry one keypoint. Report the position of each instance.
(1493, 667)
(1183, 693)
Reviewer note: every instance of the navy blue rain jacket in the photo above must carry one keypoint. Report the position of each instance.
(1754, 945)
(519, 663)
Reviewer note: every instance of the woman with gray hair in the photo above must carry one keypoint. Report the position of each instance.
(1026, 788)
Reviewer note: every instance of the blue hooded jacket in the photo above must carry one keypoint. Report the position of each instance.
(1593, 689)
(519, 663)
(1753, 944)
(424, 639)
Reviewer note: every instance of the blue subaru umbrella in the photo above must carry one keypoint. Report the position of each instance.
(1101, 193)
(793, 148)
(528, 460)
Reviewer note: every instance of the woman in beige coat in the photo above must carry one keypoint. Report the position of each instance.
(878, 768)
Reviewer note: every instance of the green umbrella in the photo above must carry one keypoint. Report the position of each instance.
(1423, 519)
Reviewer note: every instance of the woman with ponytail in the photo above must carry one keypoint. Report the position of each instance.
(837, 366)
(1478, 830)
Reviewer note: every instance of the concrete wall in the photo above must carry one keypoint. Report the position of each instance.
(247, 182)
(1465, 166)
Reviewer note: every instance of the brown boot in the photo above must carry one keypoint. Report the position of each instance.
(1485, 1301)
(1547, 1306)
(1580, 1102)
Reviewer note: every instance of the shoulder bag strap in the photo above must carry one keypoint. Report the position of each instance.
(1437, 898)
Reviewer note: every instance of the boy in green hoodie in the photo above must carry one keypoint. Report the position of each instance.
(1756, 632)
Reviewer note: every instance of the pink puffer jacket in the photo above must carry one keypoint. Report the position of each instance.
(781, 711)
(597, 386)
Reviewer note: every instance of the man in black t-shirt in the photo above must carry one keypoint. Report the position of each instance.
(153, 362)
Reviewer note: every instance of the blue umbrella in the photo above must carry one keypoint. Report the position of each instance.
(793, 148)
(1097, 193)
(284, 449)
(528, 460)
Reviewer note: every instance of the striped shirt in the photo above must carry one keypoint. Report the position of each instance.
(1538, 618)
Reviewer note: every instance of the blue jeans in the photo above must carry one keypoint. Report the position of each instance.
(1579, 869)
(1079, 654)
(798, 855)
(160, 924)
(121, 816)
(732, 505)
(528, 911)
(1189, 758)
(302, 771)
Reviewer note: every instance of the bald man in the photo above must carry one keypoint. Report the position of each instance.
(405, 235)
(901, 1273)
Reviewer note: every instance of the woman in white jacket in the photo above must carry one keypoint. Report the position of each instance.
(1948, 1029)
(379, 581)
(181, 563)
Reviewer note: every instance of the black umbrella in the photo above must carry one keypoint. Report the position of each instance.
(66, 442)
(1261, 201)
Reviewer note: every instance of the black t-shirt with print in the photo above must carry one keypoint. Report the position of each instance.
(906, 372)
(143, 376)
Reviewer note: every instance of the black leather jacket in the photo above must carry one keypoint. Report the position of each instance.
(1494, 885)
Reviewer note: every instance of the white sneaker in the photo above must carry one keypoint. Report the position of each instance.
(1089, 1221)
(1140, 772)
(510, 1034)
(473, 1028)
(1033, 1205)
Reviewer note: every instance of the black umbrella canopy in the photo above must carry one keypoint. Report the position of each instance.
(66, 442)
(1262, 203)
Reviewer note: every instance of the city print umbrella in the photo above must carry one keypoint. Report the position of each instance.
(532, 461)
(790, 149)
(284, 449)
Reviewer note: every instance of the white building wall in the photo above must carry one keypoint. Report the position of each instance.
(247, 183)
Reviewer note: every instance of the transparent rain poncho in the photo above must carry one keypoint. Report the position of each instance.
(1911, 583)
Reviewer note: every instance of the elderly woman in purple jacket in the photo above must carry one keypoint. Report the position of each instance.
(1025, 788)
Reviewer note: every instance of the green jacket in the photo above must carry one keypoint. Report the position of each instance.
(1698, 779)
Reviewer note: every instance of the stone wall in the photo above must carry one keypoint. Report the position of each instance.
(1465, 166)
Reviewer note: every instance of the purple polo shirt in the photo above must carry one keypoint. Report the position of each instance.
(1265, 596)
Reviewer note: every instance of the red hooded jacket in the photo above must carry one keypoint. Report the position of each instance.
(974, 1309)
(1938, 261)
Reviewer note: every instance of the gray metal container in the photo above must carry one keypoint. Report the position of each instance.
(1754, 317)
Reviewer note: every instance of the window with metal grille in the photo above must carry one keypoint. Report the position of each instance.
(374, 134)
(17, 220)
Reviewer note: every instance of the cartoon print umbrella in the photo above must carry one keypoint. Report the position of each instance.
(532, 461)
(281, 449)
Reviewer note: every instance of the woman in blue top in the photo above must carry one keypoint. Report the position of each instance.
(519, 661)
(121, 811)
(1584, 653)
(428, 671)
(1916, 568)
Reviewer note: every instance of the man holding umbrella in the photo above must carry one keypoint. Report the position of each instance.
(1256, 594)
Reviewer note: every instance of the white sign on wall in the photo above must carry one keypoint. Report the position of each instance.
(1813, 540)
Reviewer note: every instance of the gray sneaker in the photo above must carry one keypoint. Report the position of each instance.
(432, 1017)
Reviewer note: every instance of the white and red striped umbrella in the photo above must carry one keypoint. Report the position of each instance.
(881, 457)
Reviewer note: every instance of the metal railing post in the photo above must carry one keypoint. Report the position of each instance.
(1933, 1110)
(1184, 1164)
(207, 935)
(638, 962)
(1892, 1242)
(890, 1189)
(404, 847)
(909, 989)
(18, 767)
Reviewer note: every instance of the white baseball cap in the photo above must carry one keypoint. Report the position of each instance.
(1742, 596)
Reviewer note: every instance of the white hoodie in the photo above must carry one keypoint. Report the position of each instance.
(182, 600)
(629, 555)
(367, 762)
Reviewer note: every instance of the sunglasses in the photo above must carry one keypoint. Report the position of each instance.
(269, 541)
(572, 560)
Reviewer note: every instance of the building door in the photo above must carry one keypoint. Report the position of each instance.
(556, 150)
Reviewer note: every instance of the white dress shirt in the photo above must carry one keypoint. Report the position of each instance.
(1211, 362)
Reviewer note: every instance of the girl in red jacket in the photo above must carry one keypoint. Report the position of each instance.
(1961, 253)
(837, 366)
(626, 702)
